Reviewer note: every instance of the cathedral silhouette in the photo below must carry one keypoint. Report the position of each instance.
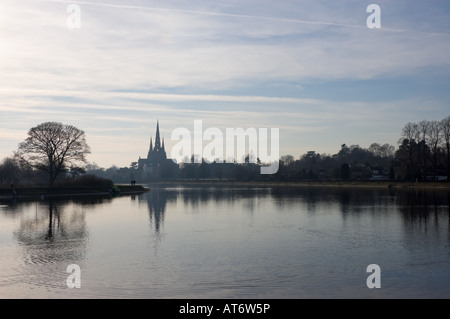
(157, 164)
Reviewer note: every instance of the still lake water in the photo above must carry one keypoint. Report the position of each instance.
(233, 242)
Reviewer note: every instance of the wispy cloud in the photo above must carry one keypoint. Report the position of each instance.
(228, 63)
(99, 54)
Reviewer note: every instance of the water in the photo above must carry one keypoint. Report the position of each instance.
(229, 243)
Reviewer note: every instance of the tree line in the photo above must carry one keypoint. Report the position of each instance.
(422, 154)
(56, 152)
(424, 151)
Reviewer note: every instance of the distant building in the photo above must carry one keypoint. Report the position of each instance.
(157, 165)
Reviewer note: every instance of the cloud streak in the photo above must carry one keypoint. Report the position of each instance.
(248, 64)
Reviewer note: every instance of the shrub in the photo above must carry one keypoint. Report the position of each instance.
(88, 180)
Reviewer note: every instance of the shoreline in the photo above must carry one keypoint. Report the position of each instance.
(36, 192)
(334, 184)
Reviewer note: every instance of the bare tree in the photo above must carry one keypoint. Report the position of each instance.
(433, 139)
(54, 148)
(374, 148)
(409, 132)
(387, 150)
(423, 127)
(445, 127)
(408, 141)
(383, 151)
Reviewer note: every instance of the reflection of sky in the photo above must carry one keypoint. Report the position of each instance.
(311, 68)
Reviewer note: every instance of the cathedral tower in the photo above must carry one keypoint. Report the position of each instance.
(157, 165)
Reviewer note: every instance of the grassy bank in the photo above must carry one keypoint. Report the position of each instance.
(66, 191)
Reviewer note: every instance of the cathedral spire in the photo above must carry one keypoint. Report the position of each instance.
(157, 138)
(156, 156)
(150, 151)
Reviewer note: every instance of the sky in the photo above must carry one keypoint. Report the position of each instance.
(313, 69)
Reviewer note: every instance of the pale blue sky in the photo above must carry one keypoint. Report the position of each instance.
(310, 68)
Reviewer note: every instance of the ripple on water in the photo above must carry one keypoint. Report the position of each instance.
(40, 267)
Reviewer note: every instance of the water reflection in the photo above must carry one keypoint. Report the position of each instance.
(426, 223)
(55, 232)
(53, 221)
(50, 235)
(196, 198)
(232, 241)
(156, 201)
(413, 203)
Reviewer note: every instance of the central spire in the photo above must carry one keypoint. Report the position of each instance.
(157, 138)
(156, 156)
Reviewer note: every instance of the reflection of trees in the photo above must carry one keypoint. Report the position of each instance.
(52, 232)
(157, 199)
(313, 197)
(417, 207)
(51, 235)
(420, 207)
(426, 223)
(203, 195)
(448, 214)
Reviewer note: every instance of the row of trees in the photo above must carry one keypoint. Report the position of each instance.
(424, 149)
(378, 161)
(54, 150)
(423, 154)
(351, 162)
